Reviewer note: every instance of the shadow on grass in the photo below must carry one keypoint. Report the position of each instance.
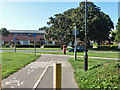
(96, 66)
(83, 60)
(79, 60)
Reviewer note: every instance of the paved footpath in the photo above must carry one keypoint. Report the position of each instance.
(39, 74)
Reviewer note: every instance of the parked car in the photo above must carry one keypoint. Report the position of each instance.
(78, 49)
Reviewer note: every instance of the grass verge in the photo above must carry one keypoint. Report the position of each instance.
(100, 74)
(11, 61)
(54, 49)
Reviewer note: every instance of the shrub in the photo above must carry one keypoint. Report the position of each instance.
(27, 46)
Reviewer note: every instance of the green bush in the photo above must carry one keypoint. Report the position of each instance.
(7, 45)
(104, 47)
(27, 46)
(51, 46)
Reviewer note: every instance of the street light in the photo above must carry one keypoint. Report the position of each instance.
(85, 55)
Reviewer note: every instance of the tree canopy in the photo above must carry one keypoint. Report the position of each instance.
(4, 31)
(113, 34)
(117, 37)
(61, 26)
(43, 28)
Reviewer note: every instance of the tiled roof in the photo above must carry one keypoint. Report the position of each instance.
(27, 31)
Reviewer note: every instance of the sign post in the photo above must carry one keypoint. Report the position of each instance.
(15, 41)
(34, 35)
(75, 33)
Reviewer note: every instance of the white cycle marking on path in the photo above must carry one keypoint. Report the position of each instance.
(14, 81)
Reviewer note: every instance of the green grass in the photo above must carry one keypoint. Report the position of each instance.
(100, 74)
(11, 62)
(106, 55)
(54, 49)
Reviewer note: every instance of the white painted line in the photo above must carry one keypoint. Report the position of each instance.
(38, 81)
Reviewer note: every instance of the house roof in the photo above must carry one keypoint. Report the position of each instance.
(27, 31)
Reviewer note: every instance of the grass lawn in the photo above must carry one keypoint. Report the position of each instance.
(11, 61)
(54, 49)
(100, 74)
(107, 55)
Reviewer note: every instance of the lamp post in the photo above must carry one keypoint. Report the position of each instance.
(86, 55)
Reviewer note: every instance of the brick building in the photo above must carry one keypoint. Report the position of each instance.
(24, 37)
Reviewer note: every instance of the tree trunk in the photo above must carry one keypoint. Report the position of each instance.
(88, 44)
(73, 41)
(98, 45)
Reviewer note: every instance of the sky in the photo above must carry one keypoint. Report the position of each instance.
(33, 15)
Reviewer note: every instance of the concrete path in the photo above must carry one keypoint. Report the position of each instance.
(67, 74)
(39, 74)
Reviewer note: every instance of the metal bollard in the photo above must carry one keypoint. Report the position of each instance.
(57, 76)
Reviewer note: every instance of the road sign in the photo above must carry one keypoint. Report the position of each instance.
(77, 32)
(15, 39)
(34, 34)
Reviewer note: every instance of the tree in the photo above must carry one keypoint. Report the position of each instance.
(117, 37)
(4, 31)
(99, 24)
(113, 34)
(60, 29)
(43, 28)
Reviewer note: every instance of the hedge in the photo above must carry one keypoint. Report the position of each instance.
(27, 46)
(52, 46)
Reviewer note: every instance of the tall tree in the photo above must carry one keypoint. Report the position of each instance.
(60, 29)
(43, 28)
(62, 25)
(113, 34)
(117, 37)
(4, 31)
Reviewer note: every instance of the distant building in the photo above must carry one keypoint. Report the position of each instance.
(24, 37)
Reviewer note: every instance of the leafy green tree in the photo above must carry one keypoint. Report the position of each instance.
(4, 31)
(113, 34)
(43, 28)
(99, 24)
(60, 29)
(117, 37)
